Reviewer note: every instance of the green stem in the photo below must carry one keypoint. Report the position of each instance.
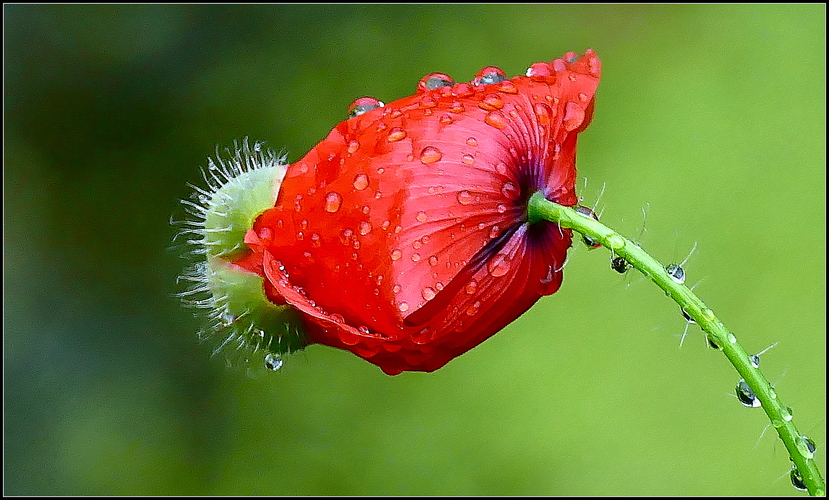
(800, 448)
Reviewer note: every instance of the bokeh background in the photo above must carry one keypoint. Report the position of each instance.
(711, 117)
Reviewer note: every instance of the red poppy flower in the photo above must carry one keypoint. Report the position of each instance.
(403, 235)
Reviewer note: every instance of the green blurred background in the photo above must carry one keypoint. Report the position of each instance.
(712, 116)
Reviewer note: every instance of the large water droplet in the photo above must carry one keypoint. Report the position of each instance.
(396, 134)
(465, 197)
(353, 146)
(468, 159)
(273, 361)
(488, 75)
(746, 396)
(619, 264)
(573, 116)
(499, 265)
(676, 273)
(360, 181)
(333, 201)
(363, 105)
(496, 119)
(797, 479)
(430, 154)
(806, 447)
(428, 293)
(491, 102)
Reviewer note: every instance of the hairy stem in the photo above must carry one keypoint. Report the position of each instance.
(801, 450)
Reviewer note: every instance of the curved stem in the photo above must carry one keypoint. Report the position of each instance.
(801, 449)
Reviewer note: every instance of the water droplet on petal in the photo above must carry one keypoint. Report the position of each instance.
(363, 105)
(428, 293)
(573, 116)
(501, 208)
(539, 70)
(403, 307)
(332, 202)
(488, 75)
(445, 119)
(396, 134)
(415, 257)
(746, 395)
(396, 254)
(365, 228)
(433, 260)
(471, 142)
(465, 197)
(422, 217)
(353, 146)
(507, 87)
(491, 102)
(499, 265)
(468, 159)
(473, 308)
(434, 81)
(456, 107)
(273, 361)
(496, 119)
(430, 154)
(360, 182)
(543, 113)
(471, 287)
(315, 240)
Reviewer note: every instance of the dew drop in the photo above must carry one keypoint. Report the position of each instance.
(573, 116)
(415, 257)
(472, 142)
(265, 233)
(445, 119)
(676, 273)
(422, 217)
(434, 81)
(507, 87)
(501, 208)
(501, 168)
(797, 479)
(746, 396)
(543, 113)
(509, 191)
(365, 228)
(488, 75)
(273, 361)
(332, 202)
(428, 293)
(491, 102)
(433, 260)
(456, 107)
(468, 159)
(499, 265)
(396, 289)
(353, 146)
(428, 102)
(619, 264)
(403, 307)
(300, 236)
(473, 309)
(494, 231)
(687, 316)
(471, 287)
(806, 447)
(360, 181)
(396, 134)
(465, 197)
(496, 119)
(430, 154)
(396, 254)
(363, 105)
